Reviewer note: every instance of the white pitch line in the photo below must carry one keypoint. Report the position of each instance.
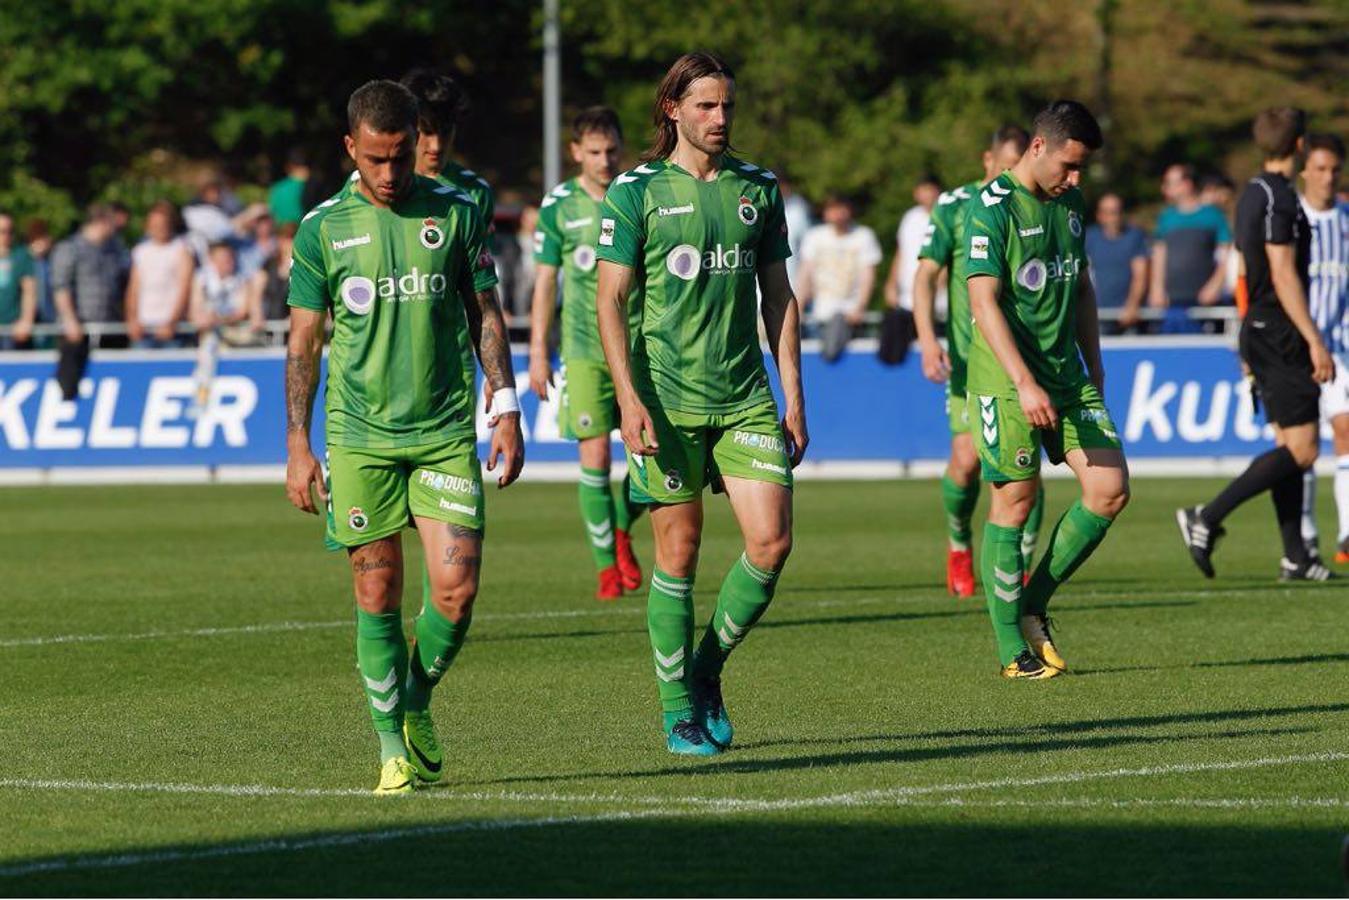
(668, 808)
(1150, 803)
(870, 798)
(273, 627)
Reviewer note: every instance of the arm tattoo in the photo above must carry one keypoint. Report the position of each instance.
(494, 349)
(301, 382)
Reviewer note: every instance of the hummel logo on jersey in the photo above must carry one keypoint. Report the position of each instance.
(675, 210)
(607, 232)
(1031, 232)
(577, 223)
(351, 242)
(978, 246)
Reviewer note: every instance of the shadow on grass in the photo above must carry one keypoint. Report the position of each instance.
(898, 853)
(967, 610)
(1308, 659)
(729, 764)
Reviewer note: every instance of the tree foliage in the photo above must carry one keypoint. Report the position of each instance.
(115, 98)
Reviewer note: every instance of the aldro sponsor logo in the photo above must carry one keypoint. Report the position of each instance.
(1034, 274)
(359, 293)
(686, 261)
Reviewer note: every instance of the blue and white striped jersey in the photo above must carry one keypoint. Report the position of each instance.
(1328, 287)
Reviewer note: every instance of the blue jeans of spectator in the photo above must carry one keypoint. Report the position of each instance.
(149, 342)
(1177, 321)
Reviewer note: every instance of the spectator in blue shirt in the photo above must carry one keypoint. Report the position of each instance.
(1118, 253)
(1189, 251)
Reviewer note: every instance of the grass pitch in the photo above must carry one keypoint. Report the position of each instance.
(181, 714)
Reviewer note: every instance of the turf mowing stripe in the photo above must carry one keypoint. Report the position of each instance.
(344, 623)
(292, 845)
(699, 806)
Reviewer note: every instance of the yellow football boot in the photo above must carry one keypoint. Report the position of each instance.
(396, 776)
(1035, 629)
(1027, 666)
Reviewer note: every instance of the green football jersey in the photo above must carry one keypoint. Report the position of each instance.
(695, 248)
(473, 184)
(1036, 250)
(944, 244)
(394, 280)
(567, 236)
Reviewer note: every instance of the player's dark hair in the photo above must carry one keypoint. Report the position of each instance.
(1067, 120)
(1325, 141)
(596, 118)
(386, 106)
(1276, 131)
(1008, 134)
(673, 88)
(441, 102)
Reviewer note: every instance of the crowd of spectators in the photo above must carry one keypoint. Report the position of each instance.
(221, 267)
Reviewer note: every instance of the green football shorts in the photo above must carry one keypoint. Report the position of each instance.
(957, 412)
(374, 493)
(699, 449)
(589, 408)
(1009, 447)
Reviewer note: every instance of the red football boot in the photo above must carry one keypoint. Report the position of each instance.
(627, 560)
(960, 573)
(611, 584)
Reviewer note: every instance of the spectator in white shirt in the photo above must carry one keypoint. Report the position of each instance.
(908, 241)
(160, 284)
(838, 265)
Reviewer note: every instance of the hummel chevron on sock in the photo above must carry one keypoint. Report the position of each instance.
(625, 511)
(959, 503)
(382, 658)
(1030, 532)
(669, 622)
(745, 594)
(1079, 531)
(438, 643)
(1000, 571)
(597, 512)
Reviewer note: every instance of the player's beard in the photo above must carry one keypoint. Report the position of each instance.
(703, 144)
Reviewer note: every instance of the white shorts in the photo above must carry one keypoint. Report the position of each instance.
(1335, 392)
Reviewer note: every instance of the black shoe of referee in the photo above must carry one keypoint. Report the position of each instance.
(1311, 569)
(1198, 537)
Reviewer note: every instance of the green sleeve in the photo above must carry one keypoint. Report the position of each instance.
(547, 236)
(622, 225)
(308, 275)
(939, 240)
(986, 232)
(477, 253)
(773, 245)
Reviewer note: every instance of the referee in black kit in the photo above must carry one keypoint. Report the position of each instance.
(1282, 347)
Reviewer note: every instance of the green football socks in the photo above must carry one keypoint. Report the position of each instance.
(1077, 534)
(382, 657)
(1001, 572)
(597, 512)
(438, 643)
(745, 594)
(669, 622)
(625, 511)
(959, 503)
(1030, 532)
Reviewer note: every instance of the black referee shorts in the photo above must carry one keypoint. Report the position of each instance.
(1282, 365)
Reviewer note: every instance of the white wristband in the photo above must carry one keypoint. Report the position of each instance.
(504, 400)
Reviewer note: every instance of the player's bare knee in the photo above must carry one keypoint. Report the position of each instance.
(770, 552)
(456, 602)
(1108, 503)
(377, 594)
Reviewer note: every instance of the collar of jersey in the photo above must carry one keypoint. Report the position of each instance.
(722, 168)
